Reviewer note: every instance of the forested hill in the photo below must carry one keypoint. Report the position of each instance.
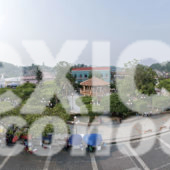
(10, 70)
(161, 67)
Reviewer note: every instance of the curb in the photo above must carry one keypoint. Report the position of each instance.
(126, 139)
(114, 141)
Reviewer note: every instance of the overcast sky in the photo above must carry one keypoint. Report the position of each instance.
(53, 22)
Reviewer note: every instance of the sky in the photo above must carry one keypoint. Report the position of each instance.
(37, 31)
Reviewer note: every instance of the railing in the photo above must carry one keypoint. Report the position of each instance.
(90, 93)
(85, 92)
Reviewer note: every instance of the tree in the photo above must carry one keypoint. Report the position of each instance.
(145, 79)
(164, 84)
(85, 99)
(24, 91)
(53, 101)
(161, 67)
(64, 79)
(39, 75)
(117, 108)
(138, 80)
(71, 78)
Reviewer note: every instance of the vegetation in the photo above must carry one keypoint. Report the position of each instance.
(117, 108)
(10, 70)
(165, 83)
(39, 75)
(145, 79)
(24, 91)
(161, 67)
(65, 82)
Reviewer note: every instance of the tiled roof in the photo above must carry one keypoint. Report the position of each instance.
(94, 82)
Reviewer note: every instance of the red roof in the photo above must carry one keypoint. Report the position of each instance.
(94, 82)
(90, 68)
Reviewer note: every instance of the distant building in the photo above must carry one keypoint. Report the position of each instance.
(82, 73)
(29, 79)
(32, 79)
(13, 80)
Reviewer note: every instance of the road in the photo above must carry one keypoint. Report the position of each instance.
(155, 159)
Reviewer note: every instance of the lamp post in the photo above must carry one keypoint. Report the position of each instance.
(75, 123)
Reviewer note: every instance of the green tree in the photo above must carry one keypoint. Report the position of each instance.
(54, 100)
(24, 91)
(165, 83)
(145, 79)
(39, 75)
(63, 78)
(117, 108)
(161, 67)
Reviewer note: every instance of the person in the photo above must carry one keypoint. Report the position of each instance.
(90, 148)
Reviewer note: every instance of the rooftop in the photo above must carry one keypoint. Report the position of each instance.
(94, 82)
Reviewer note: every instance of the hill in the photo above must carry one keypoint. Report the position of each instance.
(10, 70)
(164, 67)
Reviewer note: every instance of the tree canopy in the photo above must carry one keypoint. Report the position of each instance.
(145, 79)
(161, 67)
(39, 75)
(164, 84)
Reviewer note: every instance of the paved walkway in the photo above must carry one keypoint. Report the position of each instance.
(72, 102)
(134, 128)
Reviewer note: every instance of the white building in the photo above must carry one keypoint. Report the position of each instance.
(13, 80)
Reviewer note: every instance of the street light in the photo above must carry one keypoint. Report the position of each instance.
(75, 123)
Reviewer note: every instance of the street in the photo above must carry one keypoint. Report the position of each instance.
(154, 159)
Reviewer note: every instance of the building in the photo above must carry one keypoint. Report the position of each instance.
(29, 79)
(94, 87)
(32, 79)
(13, 81)
(82, 73)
